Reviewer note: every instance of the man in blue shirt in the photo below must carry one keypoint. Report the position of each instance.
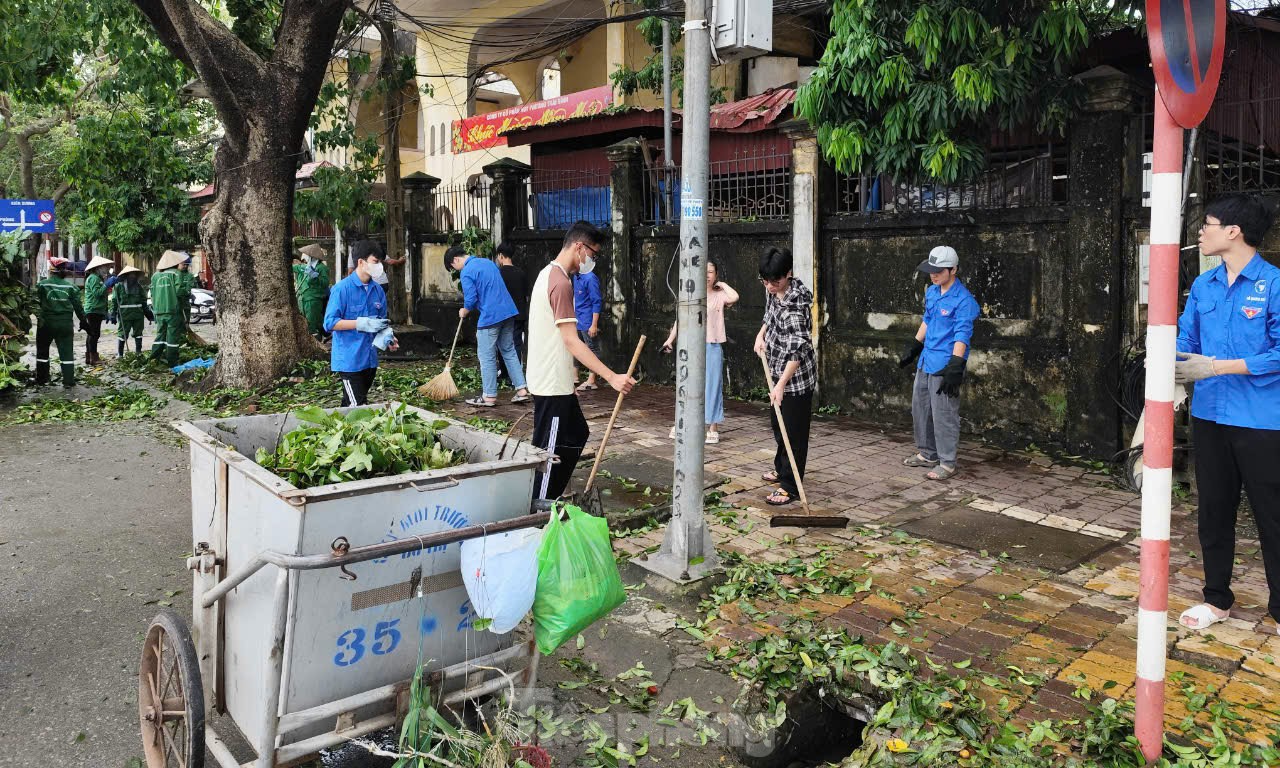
(942, 347)
(484, 290)
(355, 315)
(588, 303)
(1229, 343)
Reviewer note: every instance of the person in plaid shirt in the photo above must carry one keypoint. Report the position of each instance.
(784, 341)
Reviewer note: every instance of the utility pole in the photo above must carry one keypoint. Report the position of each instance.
(687, 552)
(667, 160)
(392, 107)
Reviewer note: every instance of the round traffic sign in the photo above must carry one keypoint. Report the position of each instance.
(46, 216)
(1186, 38)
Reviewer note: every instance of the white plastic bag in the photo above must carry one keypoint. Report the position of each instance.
(500, 573)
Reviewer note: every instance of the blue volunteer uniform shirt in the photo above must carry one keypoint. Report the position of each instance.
(348, 300)
(1233, 322)
(948, 318)
(587, 299)
(483, 287)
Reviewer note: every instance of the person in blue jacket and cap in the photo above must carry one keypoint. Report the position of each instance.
(942, 347)
(357, 317)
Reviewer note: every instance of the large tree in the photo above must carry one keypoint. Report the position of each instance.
(263, 92)
(914, 88)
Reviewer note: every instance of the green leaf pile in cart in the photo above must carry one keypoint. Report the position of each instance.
(365, 443)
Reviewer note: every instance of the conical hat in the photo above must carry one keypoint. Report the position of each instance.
(171, 259)
(314, 250)
(98, 261)
(129, 271)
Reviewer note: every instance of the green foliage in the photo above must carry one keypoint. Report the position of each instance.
(255, 22)
(649, 77)
(112, 405)
(477, 241)
(129, 167)
(16, 307)
(365, 443)
(913, 88)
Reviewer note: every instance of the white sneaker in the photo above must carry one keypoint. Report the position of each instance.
(712, 438)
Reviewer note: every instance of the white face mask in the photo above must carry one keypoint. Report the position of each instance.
(374, 270)
(306, 259)
(587, 265)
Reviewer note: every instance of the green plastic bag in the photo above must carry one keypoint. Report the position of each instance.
(578, 581)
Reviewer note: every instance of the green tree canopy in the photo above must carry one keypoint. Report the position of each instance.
(914, 88)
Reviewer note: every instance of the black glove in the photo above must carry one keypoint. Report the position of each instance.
(910, 353)
(111, 318)
(149, 314)
(84, 327)
(952, 376)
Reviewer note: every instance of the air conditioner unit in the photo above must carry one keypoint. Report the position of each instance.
(742, 28)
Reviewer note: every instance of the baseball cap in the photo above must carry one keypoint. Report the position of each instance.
(940, 258)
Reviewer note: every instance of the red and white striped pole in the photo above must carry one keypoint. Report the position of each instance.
(1157, 441)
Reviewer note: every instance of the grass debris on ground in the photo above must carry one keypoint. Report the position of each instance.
(116, 404)
(364, 443)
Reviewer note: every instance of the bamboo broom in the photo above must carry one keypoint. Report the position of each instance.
(442, 386)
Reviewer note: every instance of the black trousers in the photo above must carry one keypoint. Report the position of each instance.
(558, 427)
(797, 412)
(356, 386)
(92, 334)
(1226, 459)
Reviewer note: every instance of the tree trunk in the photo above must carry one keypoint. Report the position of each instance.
(261, 335)
(392, 106)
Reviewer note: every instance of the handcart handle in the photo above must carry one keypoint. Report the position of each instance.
(434, 485)
(367, 552)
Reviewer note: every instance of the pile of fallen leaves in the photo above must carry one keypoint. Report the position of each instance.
(364, 443)
(112, 405)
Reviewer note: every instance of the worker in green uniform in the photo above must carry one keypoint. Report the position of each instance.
(186, 281)
(58, 300)
(311, 281)
(95, 306)
(129, 307)
(166, 293)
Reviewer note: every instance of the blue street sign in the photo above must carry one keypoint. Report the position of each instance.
(27, 215)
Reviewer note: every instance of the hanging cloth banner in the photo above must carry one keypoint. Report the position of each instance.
(484, 131)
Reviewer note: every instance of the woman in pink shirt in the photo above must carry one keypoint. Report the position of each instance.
(719, 296)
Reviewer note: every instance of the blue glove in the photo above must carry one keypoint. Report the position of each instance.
(371, 324)
(384, 338)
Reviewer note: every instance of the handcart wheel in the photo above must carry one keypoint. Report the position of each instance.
(170, 696)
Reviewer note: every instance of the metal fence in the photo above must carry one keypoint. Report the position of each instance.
(1016, 177)
(459, 206)
(560, 197)
(746, 188)
(1242, 147)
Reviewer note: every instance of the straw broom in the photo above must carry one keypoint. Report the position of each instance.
(442, 386)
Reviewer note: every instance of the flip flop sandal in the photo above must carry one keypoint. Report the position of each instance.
(916, 460)
(520, 399)
(769, 477)
(787, 498)
(587, 387)
(941, 472)
(480, 402)
(1202, 615)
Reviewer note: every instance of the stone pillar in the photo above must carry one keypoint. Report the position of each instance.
(1093, 272)
(626, 204)
(508, 197)
(806, 164)
(419, 195)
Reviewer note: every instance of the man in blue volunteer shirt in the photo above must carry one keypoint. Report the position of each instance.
(942, 347)
(355, 315)
(484, 290)
(1229, 343)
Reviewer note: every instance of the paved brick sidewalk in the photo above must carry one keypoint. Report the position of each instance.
(1068, 629)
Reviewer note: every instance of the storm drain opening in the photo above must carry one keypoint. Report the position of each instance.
(816, 732)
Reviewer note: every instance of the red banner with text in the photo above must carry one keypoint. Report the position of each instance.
(483, 131)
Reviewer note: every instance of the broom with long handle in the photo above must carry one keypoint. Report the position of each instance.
(617, 406)
(442, 386)
(808, 519)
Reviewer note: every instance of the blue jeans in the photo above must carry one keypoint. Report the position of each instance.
(491, 342)
(713, 405)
